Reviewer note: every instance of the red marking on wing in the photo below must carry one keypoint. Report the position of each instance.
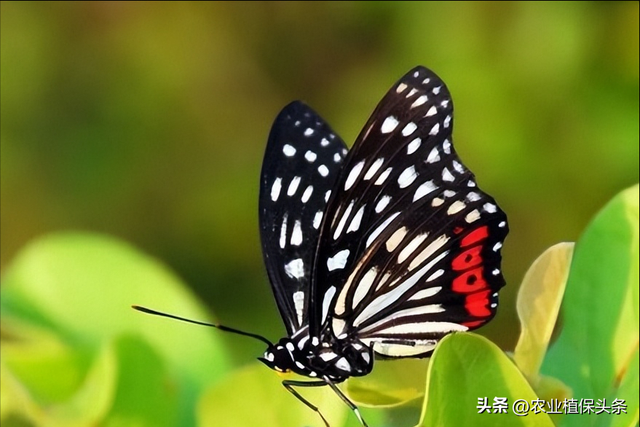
(477, 304)
(474, 324)
(469, 281)
(469, 258)
(475, 236)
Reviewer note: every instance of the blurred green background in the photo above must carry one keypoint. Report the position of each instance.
(148, 121)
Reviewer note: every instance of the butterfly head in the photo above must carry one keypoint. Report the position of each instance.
(290, 354)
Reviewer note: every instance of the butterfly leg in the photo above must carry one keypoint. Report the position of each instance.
(290, 384)
(346, 400)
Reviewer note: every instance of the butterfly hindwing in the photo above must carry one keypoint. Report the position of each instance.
(301, 164)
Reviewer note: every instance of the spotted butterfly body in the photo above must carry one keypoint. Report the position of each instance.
(378, 250)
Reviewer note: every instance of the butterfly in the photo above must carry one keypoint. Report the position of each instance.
(376, 251)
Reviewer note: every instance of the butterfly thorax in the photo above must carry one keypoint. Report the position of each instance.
(313, 357)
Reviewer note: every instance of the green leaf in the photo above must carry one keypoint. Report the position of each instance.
(254, 397)
(392, 383)
(600, 309)
(466, 367)
(76, 290)
(83, 286)
(29, 374)
(146, 395)
(538, 304)
(629, 386)
(31, 353)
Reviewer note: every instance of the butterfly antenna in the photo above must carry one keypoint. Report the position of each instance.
(221, 327)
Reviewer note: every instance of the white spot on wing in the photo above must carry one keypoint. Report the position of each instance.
(389, 124)
(472, 216)
(407, 177)
(373, 169)
(446, 175)
(383, 177)
(419, 101)
(296, 236)
(293, 186)
(308, 132)
(324, 171)
(435, 129)
(457, 166)
(310, 156)
(295, 268)
(382, 203)
(288, 150)
(395, 239)
(447, 121)
(283, 232)
(432, 111)
(433, 156)
(425, 293)
(424, 189)
(364, 285)
(437, 202)
(298, 304)
(413, 146)
(435, 275)
(455, 207)
(326, 301)
(446, 146)
(490, 208)
(401, 87)
(353, 175)
(409, 129)
(357, 218)
(317, 219)
(339, 260)
(275, 189)
(324, 142)
(307, 194)
(497, 247)
(473, 197)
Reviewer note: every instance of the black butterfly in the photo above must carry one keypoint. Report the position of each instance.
(378, 250)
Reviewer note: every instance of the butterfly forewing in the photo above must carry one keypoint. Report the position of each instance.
(301, 164)
(410, 247)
